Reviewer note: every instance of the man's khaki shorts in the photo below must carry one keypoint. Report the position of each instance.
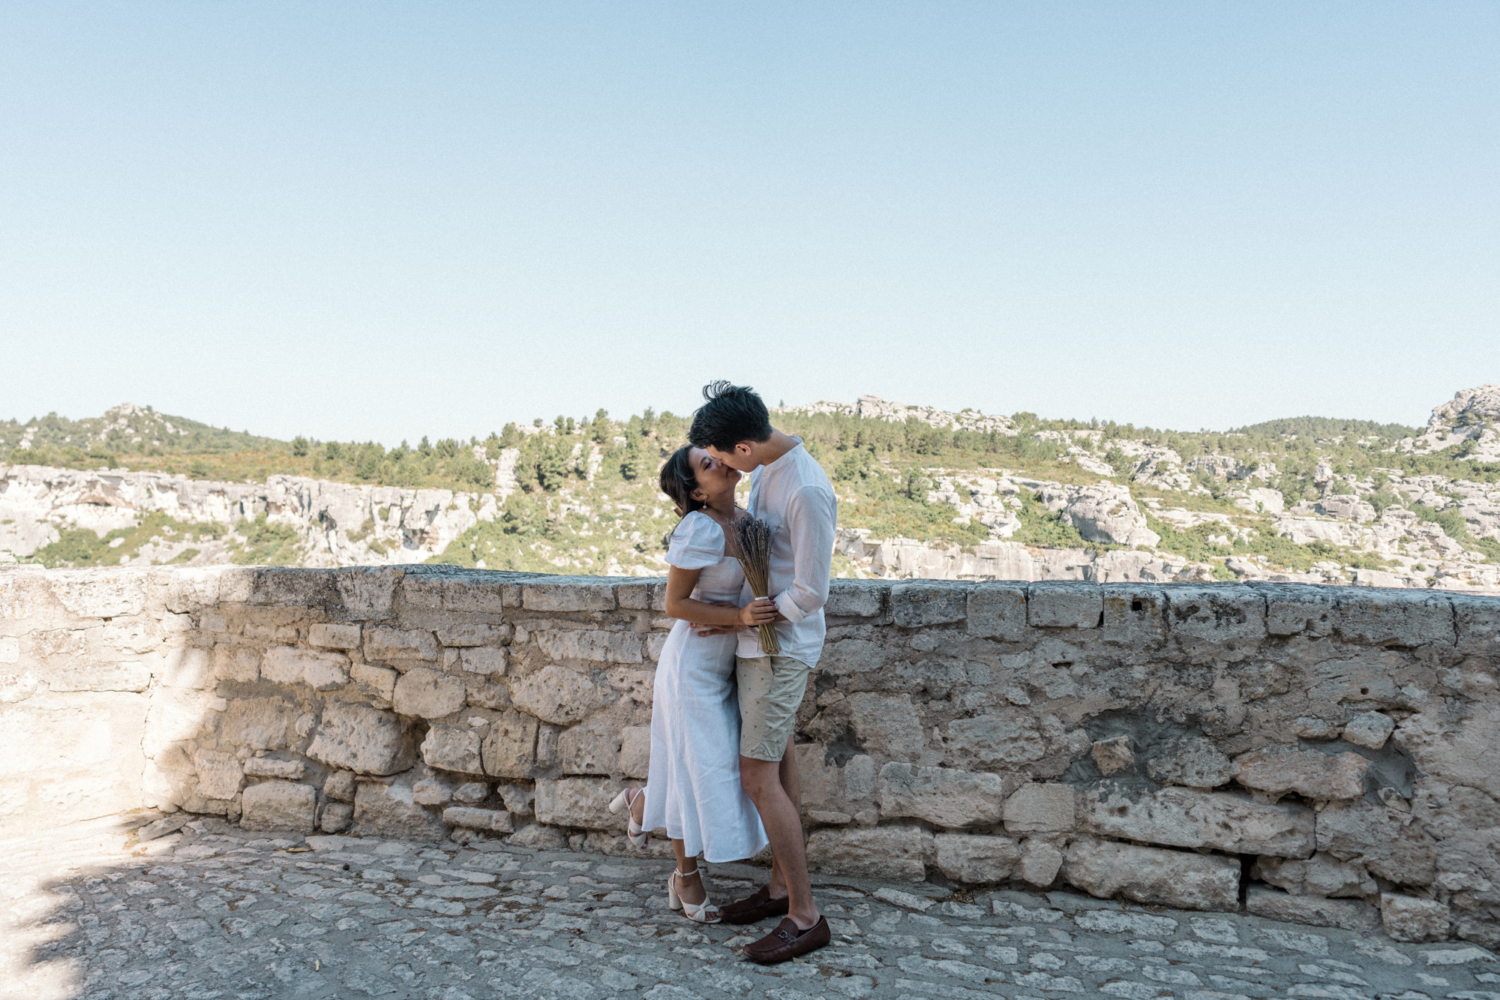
(770, 689)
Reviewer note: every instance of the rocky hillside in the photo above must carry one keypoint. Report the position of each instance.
(923, 492)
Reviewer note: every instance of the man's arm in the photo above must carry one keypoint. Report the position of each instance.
(812, 521)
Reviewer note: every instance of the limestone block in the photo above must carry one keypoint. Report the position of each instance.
(1222, 614)
(469, 818)
(1040, 862)
(539, 837)
(363, 739)
(432, 791)
(240, 664)
(257, 723)
(885, 852)
(997, 611)
(138, 635)
(1382, 840)
(836, 795)
(509, 749)
(635, 752)
(1194, 762)
(372, 680)
(929, 602)
(290, 665)
(1299, 609)
(1349, 914)
(16, 688)
(336, 817)
(279, 805)
(1152, 875)
(1477, 622)
(428, 694)
(855, 599)
(1320, 875)
(594, 645)
(1307, 772)
(519, 800)
(943, 796)
(331, 636)
(192, 589)
(1005, 737)
(270, 767)
(1055, 604)
(452, 748)
(399, 644)
(471, 793)
(1135, 615)
(389, 810)
(559, 695)
(367, 592)
(88, 675)
(976, 859)
(219, 774)
(291, 588)
(469, 634)
(577, 802)
(1411, 918)
(1313, 728)
(485, 692)
(339, 785)
(568, 594)
(1369, 729)
(641, 595)
(1402, 617)
(99, 593)
(887, 725)
(1185, 817)
(1458, 753)
(188, 667)
(591, 747)
(1112, 755)
(10, 649)
(1041, 808)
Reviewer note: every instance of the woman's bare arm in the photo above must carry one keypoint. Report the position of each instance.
(680, 604)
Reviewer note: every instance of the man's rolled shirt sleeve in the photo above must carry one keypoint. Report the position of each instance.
(813, 517)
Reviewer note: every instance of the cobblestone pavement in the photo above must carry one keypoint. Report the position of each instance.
(211, 913)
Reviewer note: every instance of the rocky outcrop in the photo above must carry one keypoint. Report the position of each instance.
(336, 524)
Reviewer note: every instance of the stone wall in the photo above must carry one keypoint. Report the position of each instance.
(1323, 754)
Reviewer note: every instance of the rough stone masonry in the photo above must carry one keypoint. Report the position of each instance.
(1318, 754)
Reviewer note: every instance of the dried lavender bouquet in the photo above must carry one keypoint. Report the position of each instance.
(754, 539)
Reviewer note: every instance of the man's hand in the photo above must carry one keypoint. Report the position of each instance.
(708, 630)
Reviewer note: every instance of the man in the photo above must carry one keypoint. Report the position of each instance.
(790, 492)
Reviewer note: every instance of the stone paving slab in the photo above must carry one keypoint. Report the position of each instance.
(210, 912)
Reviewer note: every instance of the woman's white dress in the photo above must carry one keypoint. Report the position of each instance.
(694, 786)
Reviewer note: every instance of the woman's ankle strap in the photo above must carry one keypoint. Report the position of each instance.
(683, 874)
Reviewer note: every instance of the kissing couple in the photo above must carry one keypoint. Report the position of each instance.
(723, 779)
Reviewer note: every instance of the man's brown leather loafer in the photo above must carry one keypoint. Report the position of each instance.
(787, 942)
(757, 906)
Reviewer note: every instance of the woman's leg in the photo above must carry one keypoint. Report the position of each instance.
(690, 888)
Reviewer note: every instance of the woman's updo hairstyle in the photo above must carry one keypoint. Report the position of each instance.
(678, 481)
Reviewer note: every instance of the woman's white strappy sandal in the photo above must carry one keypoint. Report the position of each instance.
(633, 830)
(699, 913)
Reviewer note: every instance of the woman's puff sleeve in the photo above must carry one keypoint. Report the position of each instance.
(697, 542)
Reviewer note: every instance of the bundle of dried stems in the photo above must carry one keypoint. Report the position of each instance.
(754, 538)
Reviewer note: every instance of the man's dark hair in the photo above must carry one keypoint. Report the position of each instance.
(730, 414)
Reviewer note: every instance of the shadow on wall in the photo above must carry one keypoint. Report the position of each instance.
(1316, 754)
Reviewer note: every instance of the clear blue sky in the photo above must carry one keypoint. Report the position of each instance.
(381, 220)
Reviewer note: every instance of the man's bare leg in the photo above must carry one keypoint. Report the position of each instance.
(762, 781)
(791, 782)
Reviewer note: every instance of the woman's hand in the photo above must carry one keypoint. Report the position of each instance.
(758, 612)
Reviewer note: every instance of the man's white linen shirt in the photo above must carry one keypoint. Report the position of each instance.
(793, 495)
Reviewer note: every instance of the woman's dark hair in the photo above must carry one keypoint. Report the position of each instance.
(730, 414)
(678, 481)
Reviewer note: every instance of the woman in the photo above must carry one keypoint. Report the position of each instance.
(694, 789)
